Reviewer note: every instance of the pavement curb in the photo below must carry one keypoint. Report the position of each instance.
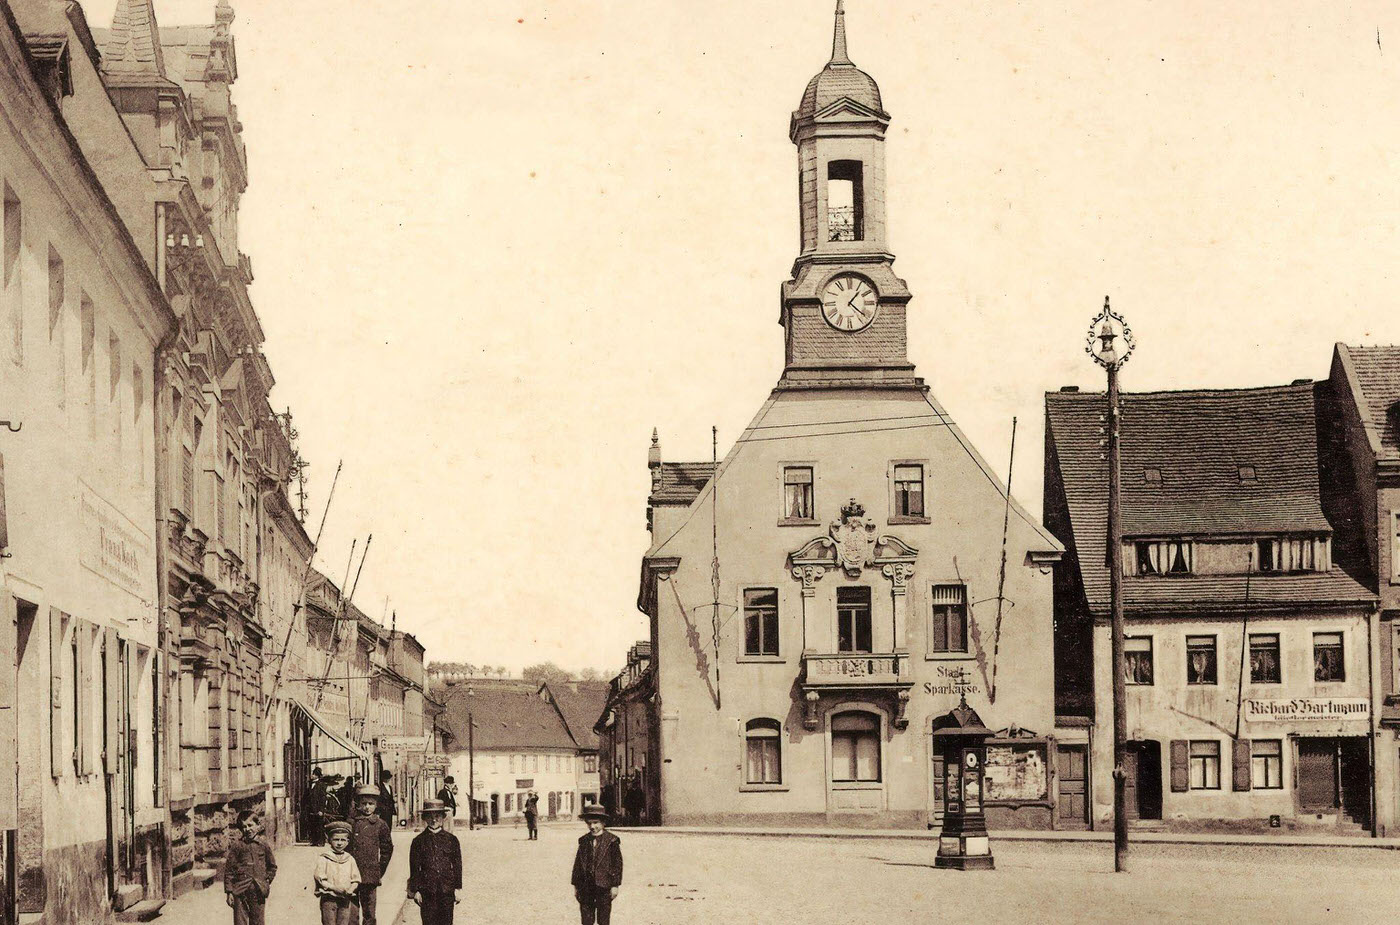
(1055, 838)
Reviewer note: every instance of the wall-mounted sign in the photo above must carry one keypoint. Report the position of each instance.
(414, 745)
(436, 765)
(112, 545)
(524, 783)
(1306, 708)
(954, 680)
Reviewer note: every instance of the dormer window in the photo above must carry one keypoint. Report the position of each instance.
(1294, 554)
(845, 219)
(1163, 557)
(1152, 476)
(1248, 475)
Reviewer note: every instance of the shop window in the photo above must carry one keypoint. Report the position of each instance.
(1205, 765)
(763, 763)
(1328, 662)
(1266, 757)
(1264, 660)
(844, 218)
(855, 747)
(853, 619)
(1200, 660)
(760, 621)
(909, 490)
(1137, 659)
(798, 501)
(948, 632)
(1163, 557)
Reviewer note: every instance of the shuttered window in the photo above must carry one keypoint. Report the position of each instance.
(58, 753)
(1266, 759)
(1205, 764)
(948, 631)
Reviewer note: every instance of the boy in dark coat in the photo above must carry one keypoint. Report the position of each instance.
(248, 871)
(435, 867)
(597, 868)
(372, 846)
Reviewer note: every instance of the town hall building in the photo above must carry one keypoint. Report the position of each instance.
(834, 588)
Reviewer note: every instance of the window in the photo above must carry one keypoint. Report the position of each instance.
(1200, 659)
(853, 619)
(1267, 761)
(1248, 474)
(797, 493)
(844, 212)
(909, 490)
(760, 621)
(1205, 765)
(1294, 554)
(11, 274)
(590, 764)
(948, 631)
(219, 502)
(534, 762)
(1264, 666)
(1137, 659)
(1163, 557)
(763, 752)
(510, 802)
(1328, 663)
(1152, 476)
(855, 747)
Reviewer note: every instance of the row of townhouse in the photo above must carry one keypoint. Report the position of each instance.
(160, 672)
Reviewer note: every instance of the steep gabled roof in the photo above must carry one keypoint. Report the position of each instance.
(579, 703)
(679, 482)
(131, 47)
(504, 717)
(1374, 376)
(1197, 442)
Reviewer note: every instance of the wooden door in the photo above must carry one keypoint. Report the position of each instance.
(1072, 784)
(1317, 774)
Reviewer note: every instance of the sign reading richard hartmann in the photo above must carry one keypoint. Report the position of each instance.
(1304, 708)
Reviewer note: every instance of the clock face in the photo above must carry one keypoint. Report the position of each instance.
(848, 303)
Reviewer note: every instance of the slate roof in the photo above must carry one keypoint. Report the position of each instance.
(504, 718)
(679, 482)
(840, 79)
(1197, 440)
(580, 702)
(131, 47)
(1374, 375)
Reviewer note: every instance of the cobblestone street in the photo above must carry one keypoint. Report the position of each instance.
(674, 879)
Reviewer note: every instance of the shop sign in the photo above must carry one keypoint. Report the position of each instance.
(111, 545)
(436, 764)
(1306, 708)
(954, 680)
(410, 745)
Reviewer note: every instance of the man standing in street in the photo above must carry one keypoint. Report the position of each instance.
(435, 868)
(597, 868)
(314, 804)
(371, 846)
(448, 796)
(248, 871)
(532, 815)
(388, 809)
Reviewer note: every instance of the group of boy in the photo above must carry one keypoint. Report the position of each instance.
(347, 875)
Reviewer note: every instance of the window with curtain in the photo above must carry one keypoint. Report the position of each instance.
(948, 632)
(1328, 663)
(855, 747)
(1266, 758)
(853, 619)
(1205, 765)
(1264, 659)
(1200, 660)
(1294, 554)
(909, 490)
(760, 621)
(763, 763)
(1137, 659)
(1162, 557)
(797, 493)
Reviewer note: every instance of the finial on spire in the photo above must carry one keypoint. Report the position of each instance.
(838, 40)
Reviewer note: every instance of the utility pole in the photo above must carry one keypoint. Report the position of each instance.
(1105, 331)
(471, 772)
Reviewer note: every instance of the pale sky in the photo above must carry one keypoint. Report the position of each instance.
(496, 243)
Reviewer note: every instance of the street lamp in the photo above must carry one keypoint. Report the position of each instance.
(1110, 343)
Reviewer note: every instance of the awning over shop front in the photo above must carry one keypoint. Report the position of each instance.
(342, 750)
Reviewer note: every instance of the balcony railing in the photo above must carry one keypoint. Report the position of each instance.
(856, 670)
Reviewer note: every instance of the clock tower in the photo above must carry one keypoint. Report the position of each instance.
(843, 310)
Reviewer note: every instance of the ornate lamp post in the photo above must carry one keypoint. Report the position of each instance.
(963, 843)
(1110, 343)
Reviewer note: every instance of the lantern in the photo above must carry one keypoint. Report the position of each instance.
(963, 843)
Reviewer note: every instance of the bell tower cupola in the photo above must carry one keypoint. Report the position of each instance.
(843, 309)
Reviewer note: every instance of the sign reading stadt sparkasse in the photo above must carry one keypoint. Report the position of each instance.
(1306, 708)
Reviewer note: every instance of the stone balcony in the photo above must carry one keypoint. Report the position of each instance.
(874, 673)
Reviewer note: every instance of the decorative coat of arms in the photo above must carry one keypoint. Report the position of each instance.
(854, 537)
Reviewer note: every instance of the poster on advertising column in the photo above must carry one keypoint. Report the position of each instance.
(1015, 772)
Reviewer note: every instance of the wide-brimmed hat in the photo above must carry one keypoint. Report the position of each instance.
(337, 828)
(367, 790)
(433, 806)
(593, 811)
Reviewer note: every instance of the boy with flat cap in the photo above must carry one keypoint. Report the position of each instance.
(597, 868)
(248, 871)
(371, 846)
(435, 867)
